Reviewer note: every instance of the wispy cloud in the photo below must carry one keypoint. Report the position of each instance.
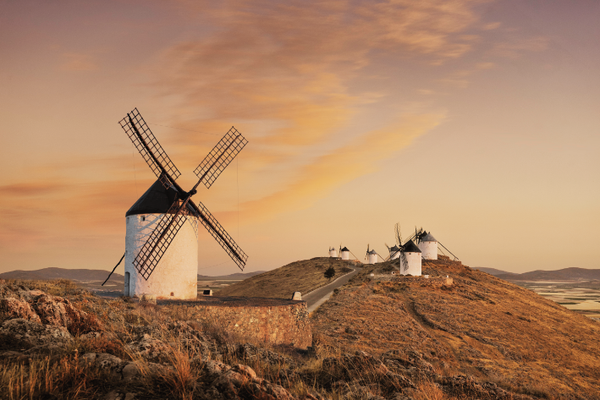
(286, 71)
(78, 62)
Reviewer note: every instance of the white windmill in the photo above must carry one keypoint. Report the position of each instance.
(333, 252)
(161, 244)
(371, 256)
(407, 254)
(345, 253)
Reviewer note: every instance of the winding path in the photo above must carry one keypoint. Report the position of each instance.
(319, 296)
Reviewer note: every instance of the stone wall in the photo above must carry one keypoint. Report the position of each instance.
(274, 321)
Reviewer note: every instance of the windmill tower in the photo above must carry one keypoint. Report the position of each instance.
(407, 254)
(394, 252)
(161, 244)
(428, 246)
(412, 257)
(371, 256)
(345, 253)
(332, 252)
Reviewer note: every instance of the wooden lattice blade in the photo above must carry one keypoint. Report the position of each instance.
(159, 241)
(146, 143)
(222, 237)
(220, 157)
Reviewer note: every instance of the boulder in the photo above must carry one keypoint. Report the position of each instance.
(20, 333)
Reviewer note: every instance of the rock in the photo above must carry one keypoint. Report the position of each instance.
(151, 349)
(16, 308)
(131, 371)
(54, 310)
(245, 370)
(25, 334)
(113, 395)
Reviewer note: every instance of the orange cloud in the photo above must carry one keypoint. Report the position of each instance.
(329, 171)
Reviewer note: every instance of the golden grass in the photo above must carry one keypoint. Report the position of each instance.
(62, 378)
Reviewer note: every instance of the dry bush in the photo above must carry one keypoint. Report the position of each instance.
(428, 390)
(180, 380)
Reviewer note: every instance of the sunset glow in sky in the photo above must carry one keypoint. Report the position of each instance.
(476, 120)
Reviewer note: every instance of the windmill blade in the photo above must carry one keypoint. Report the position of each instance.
(398, 234)
(160, 239)
(356, 258)
(145, 142)
(455, 258)
(220, 157)
(404, 262)
(218, 232)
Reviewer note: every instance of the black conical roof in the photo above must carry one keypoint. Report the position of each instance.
(345, 249)
(156, 200)
(411, 247)
(428, 238)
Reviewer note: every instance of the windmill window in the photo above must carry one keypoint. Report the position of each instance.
(143, 218)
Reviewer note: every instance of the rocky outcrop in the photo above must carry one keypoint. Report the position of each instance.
(23, 334)
(17, 301)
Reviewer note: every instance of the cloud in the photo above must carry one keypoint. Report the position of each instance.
(344, 164)
(78, 62)
(285, 74)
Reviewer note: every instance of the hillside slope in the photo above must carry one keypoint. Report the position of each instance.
(479, 325)
(300, 276)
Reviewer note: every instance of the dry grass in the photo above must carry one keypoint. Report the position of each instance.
(481, 326)
(59, 378)
(300, 276)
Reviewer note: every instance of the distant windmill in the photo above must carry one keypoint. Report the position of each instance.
(344, 253)
(408, 255)
(333, 252)
(371, 256)
(428, 244)
(156, 223)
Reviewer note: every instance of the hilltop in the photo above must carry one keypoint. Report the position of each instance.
(459, 334)
(472, 324)
(300, 276)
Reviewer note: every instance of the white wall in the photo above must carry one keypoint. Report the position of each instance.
(177, 271)
(414, 264)
(429, 250)
(372, 258)
(345, 255)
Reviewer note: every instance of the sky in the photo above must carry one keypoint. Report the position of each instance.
(476, 120)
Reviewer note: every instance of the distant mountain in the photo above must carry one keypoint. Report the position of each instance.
(61, 273)
(562, 275)
(238, 276)
(493, 271)
(84, 275)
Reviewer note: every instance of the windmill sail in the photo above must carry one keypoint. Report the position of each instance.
(220, 157)
(145, 142)
(218, 232)
(160, 239)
